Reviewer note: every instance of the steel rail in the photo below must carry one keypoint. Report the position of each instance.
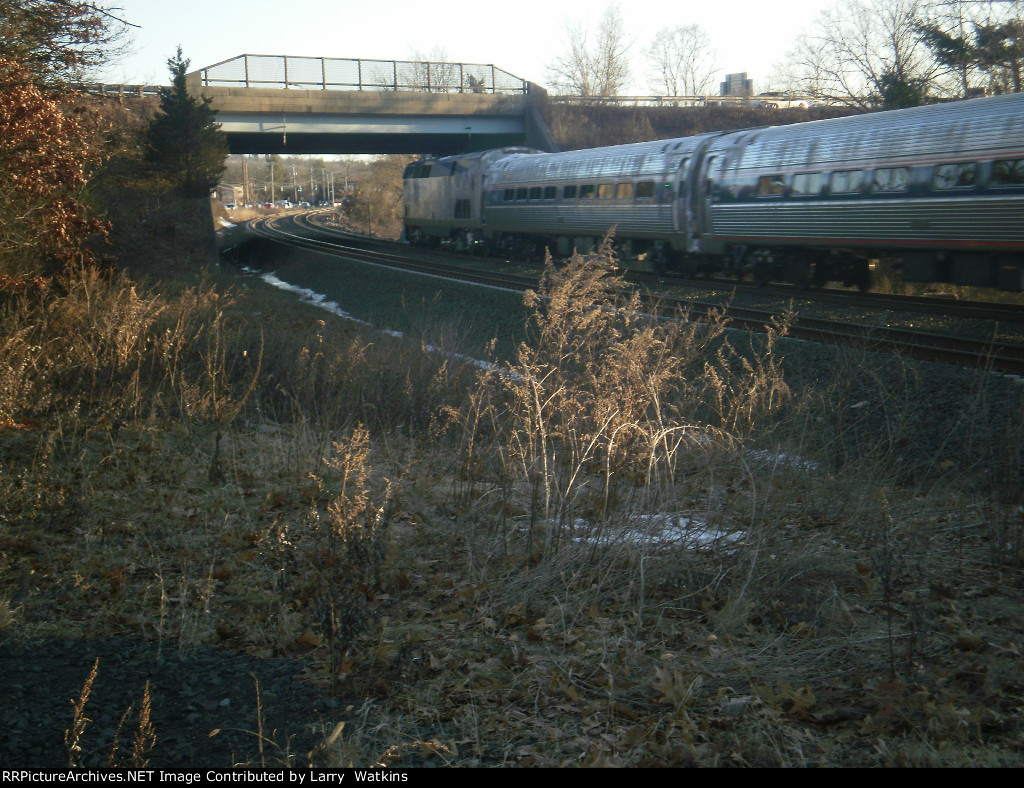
(926, 305)
(266, 229)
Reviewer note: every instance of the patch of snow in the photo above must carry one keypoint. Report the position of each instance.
(663, 530)
(308, 296)
(782, 458)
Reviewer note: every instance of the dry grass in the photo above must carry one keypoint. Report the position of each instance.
(500, 588)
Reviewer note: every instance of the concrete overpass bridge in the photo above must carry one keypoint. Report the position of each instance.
(298, 105)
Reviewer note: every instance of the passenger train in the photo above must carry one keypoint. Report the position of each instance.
(936, 190)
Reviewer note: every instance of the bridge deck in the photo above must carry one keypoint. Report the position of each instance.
(268, 120)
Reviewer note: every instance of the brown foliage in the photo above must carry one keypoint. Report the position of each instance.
(48, 150)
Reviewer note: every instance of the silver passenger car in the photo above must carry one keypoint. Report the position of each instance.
(570, 200)
(940, 186)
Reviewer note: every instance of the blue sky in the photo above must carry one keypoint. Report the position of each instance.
(750, 35)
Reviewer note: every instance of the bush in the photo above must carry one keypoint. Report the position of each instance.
(605, 401)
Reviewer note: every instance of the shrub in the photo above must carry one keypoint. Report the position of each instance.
(605, 400)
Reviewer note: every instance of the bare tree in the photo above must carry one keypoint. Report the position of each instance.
(434, 72)
(682, 61)
(866, 53)
(61, 40)
(598, 70)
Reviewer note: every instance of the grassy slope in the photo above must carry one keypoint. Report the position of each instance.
(855, 624)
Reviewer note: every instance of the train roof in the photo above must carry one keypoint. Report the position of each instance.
(991, 126)
(636, 159)
(447, 165)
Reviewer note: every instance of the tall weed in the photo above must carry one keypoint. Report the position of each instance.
(605, 402)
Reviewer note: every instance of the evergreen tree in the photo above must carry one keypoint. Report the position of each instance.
(184, 143)
(1000, 48)
(897, 90)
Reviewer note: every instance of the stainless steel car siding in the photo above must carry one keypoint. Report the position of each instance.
(983, 129)
(581, 219)
(974, 220)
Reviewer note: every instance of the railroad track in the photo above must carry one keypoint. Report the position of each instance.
(1004, 357)
(945, 306)
(925, 305)
(269, 228)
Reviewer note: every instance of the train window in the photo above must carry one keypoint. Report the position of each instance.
(770, 186)
(510, 195)
(535, 192)
(605, 191)
(957, 175)
(624, 191)
(734, 189)
(521, 193)
(645, 190)
(550, 192)
(848, 181)
(1008, 172)
(808, 183)
(568, 192)
(587, 192)
(890, 179)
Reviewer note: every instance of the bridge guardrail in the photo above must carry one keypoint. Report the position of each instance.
(327, 73)
(121, 91)
(778, 102)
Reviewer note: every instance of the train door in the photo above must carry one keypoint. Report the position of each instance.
(683, 209)
(701, 191)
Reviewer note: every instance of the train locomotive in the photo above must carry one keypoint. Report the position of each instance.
(937, 191)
